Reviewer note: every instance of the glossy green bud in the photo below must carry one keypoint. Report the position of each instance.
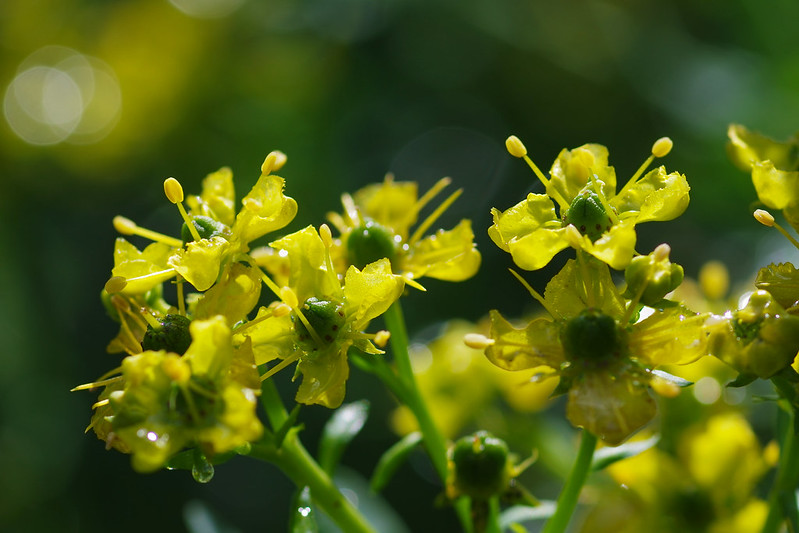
(588, 215)
(653, 274)
(478, 466)
(207, 227)
(368, 243)
(325, 317)
(761, 339)
(592, 338)
(173, 335)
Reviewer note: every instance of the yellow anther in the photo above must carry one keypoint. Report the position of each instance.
(280, 159)
(115, 284)
(289, 297)
(173, 190)
(662, 147)
(176, 369)
(714, 279)
(477, 341)
(125, 226)
(269, 163)
(280, 309)
(515, 147)
(326, 235)
(764, 217)
(381, 338)
(662, 252)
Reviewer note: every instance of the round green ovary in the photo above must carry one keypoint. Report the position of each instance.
(172, 336)
(325, 317)
(207, 227)
(480, 463)
(591, 336)
(369, 243)
(588, 215)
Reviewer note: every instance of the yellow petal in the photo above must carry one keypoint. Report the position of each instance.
(199, 262)
(446, 255)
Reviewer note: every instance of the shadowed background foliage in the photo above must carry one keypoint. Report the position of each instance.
(102, 100)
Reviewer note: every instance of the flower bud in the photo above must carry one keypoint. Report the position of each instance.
(653, 274)
(369, 243)
(478, 467)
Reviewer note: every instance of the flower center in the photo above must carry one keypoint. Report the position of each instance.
(592, 337)
(207, 228)
(325, 317)
(173, 335)
(588, 215)
(368, 243)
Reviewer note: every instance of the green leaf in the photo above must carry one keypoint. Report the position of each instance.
(283, 430)
(392, 459)
(781, 281)
(605, 457)
(742, 380)
(512, 516)
(302, 518)
(342, 427)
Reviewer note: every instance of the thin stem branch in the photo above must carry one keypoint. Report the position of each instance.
(567, 501)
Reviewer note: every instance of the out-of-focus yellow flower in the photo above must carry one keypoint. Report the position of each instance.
(583, 186)
(327, 318)
(707, 487)
(377, 221)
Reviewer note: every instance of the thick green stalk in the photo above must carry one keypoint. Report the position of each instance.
(782, 500)
(567, 501)
(295, 461)
(433, 440)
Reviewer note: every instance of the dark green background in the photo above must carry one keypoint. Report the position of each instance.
(348, 89)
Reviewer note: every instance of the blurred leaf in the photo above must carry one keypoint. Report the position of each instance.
(281, 432)
(513, 516)
(392, 459)
(781, 281)
(198, 517)
(605, 457)
(342, 427)
(302, 518)
(742, 380)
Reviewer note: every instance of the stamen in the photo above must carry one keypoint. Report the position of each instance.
(517, 149)
(382, 337)
(281, 365)
(327, 239)
(767, 219)
(661, 253)
(430, 194)
(101, 403)
(433, 216)
(477, 341)
(174, 193)
(605, 205)
(660, 148)
(180, 297)
(408, 277)
(534, 293)
(94, 385)
(151, 320)
(351, 210)
(126, 226)
(268, 164)
(290, 297)
(161, 276)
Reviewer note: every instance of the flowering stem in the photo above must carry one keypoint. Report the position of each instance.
(567, 501)
(782, 500)
(295, 461)
(433, 440)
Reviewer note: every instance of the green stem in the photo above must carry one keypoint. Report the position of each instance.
(295, 461)
(567, 501)
(303, 470)
(433, 440)
(782, 500)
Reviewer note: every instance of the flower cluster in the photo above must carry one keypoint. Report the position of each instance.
(598, 340)
(193, 370)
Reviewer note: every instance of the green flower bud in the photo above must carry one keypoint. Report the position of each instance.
(588, 215)
(325, 317)
(172, 336)
(478, 467)
(592, 338)
(761, 339)
(207, 227)
(653, 274)
(368, 243)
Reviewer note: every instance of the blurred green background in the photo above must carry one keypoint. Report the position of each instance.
(102, 100)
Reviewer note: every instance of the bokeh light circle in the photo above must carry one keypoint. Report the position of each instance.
(59, 94)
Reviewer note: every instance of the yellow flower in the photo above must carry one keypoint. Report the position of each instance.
(591, 215)
(605, 362)
(162, 402)
(377, 222)
(213, 233)
(707, 486)
(327, 318)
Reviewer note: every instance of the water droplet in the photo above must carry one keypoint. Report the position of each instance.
(202, 471)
